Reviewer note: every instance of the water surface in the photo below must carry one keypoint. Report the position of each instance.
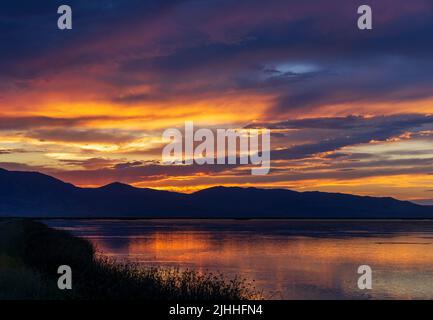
(287, 259)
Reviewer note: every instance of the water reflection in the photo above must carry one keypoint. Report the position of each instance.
(287, 259)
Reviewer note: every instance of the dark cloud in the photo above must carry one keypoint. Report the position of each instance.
(392, 64)
(339, 132)
(16, 166)
(185, 48)
(90, 164)
(385, 79)
(85, 135)
(136, 97)
(29, 33)
(78, 129)
(22, 123)
(134, 172)
(392, 122)
(126, 165)
(18, 150)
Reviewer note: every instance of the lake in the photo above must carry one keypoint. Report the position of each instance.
(287, 259)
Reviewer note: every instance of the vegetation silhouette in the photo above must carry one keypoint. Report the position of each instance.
(31, 252)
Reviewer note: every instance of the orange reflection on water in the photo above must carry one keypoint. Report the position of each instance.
(285, 263)
(316, 264)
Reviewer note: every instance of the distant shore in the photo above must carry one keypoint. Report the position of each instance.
(235, 219)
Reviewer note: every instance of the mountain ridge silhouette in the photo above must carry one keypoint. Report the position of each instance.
(34, 194)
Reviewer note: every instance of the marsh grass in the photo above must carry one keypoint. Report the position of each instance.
(30, 254)
(175, 284)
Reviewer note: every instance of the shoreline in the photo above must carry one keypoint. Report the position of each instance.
(31, 253)
(231, 219)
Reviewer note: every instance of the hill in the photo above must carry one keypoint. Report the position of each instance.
(33, 194)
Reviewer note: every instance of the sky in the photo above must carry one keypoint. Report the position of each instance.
(349, 110)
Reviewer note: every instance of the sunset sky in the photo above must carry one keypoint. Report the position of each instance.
(350, 111)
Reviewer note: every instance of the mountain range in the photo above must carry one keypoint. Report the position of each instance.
(33, 194)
